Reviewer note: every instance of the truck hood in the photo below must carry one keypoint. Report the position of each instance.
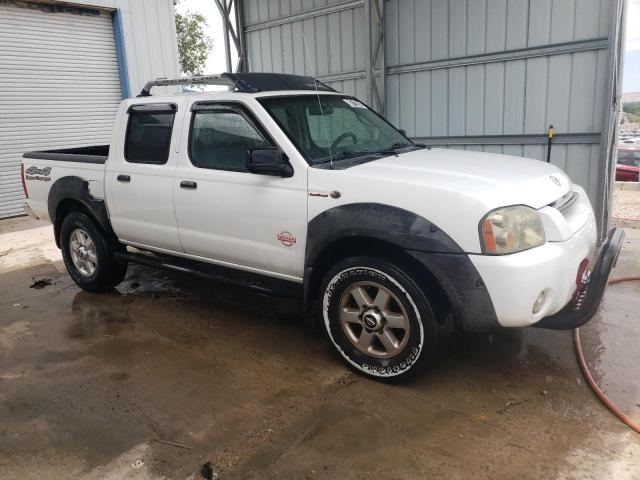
(493, 179)
(453, 189)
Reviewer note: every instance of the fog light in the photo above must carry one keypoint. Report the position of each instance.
(537, 306)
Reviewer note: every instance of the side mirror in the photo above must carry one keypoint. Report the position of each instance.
(269, 161)
(403, 132)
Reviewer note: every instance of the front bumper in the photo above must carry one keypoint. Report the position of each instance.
(581, 310)
(515, 281)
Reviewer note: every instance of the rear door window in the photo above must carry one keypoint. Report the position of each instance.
(148, 136)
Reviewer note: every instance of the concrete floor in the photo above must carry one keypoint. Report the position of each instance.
(90, 385)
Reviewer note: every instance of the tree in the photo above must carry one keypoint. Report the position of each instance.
(193, 43)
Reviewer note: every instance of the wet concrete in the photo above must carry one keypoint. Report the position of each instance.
(91, 384)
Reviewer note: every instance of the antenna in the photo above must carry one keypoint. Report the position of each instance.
(315, 82)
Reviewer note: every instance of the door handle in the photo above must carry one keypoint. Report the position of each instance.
(188, 184)
(124, 178)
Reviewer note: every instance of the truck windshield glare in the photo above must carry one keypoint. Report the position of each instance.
(335, 128)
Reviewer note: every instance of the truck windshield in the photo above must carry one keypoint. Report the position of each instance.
(334, 128)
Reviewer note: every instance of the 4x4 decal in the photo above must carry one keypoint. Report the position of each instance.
(35, 173)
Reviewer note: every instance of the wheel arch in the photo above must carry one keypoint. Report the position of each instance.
(364, 246)
(441, 269)
(71, 194)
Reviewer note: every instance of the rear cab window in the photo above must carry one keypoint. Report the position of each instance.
(148, 136)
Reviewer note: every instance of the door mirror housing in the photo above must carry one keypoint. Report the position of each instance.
(269, 161)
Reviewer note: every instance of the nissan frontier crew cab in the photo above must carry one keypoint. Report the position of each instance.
(286, 186)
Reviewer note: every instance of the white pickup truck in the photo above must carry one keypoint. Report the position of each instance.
(283, 185)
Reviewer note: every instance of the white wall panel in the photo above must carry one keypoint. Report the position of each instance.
(149, 32)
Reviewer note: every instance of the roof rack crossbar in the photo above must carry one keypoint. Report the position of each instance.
(196, 79)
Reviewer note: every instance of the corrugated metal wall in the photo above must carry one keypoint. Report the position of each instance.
(522, 95)
(334, 33)
(486, 75)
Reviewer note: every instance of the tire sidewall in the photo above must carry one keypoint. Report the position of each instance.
(420, 316)
(79, 220)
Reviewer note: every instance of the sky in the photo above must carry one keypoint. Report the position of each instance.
(216, 61)
(631, 72)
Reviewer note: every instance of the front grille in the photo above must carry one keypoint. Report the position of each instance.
(564, 203)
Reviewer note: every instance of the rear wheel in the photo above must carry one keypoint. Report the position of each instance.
(377, 318)
(88, 254)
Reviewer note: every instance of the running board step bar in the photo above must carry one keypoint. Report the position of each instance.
(259, 283)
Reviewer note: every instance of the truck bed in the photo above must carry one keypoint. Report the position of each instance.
(92, 154)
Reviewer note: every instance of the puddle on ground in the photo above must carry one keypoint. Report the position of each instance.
(145, 281)
(611, 346)
(98, 315)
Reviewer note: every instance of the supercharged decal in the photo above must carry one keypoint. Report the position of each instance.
(35, 173)
(287, 239)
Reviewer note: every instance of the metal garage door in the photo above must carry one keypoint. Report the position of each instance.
(59, 85)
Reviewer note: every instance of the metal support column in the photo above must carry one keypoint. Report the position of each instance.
(375, 65)
(232, 33)
(611, 99)
(367, 66)
(242, 65)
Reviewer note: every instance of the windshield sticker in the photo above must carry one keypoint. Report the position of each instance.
(353, 103)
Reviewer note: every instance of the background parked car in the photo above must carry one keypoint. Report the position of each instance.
(628, 166)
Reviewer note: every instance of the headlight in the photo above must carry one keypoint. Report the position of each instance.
(510, 230)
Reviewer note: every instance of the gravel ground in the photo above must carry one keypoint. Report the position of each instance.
(626, 208)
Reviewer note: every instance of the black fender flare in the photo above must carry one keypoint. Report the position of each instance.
(374, 220)
(76, 189)
(420, 238)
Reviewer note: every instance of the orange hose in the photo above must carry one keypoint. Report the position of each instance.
(587, 374)
(624, 279)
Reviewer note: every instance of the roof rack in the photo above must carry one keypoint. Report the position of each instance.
(243, 82)
(195, 80)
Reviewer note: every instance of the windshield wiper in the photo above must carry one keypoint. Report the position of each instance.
(342, 156)
(393, 150)
(397, 146)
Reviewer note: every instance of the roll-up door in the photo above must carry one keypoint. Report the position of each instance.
(59, 85)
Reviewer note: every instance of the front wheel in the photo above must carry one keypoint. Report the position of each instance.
(378, 319)
(88, 254)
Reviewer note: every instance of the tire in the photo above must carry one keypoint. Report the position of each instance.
(88, 254)
(362, 300)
